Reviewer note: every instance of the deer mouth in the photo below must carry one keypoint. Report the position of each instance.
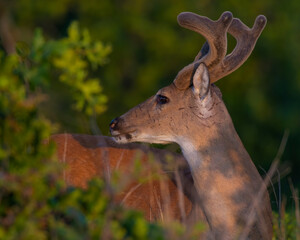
(123, 137)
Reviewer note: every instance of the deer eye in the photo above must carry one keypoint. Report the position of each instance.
(160, 99)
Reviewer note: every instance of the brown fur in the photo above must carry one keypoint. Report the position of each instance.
(88, 156)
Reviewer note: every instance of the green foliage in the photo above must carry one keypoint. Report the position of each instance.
(71, 60)
(20, 143)
(35, 204)
(285, 227)
(78, 50)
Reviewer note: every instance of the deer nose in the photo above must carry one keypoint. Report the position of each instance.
(114, 124)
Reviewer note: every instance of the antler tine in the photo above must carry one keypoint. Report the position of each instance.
(215, 35)
(246, 39)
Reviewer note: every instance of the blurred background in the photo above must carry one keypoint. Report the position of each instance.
(148, 48)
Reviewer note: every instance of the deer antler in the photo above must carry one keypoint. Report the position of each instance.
(215, 35)
(214, 49)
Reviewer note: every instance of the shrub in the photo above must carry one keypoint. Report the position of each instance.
(34, 202)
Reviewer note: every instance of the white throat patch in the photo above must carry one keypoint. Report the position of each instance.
(191, 154)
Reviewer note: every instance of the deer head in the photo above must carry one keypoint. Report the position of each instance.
(191, 105)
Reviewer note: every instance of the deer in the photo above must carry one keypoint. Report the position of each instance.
(191, 112)
(215, 180)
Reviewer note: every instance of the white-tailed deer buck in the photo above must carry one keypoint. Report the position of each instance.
(191, 113)
(220, 183)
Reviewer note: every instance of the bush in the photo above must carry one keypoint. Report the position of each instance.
(35, 203)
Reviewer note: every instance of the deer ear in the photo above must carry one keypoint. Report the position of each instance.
(201, 81)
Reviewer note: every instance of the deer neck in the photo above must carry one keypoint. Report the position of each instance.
(220, 148)
(224, 176)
